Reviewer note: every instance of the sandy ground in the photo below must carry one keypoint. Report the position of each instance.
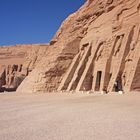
(69, 117)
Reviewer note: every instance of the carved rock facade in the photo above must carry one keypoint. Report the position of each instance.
(96, 49)
(14, 68)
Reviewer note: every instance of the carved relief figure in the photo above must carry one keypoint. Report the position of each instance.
(133, 44)
(107, 48)
(131, 54)
(118, 45)
(130, 57)
(99, 52)
(116, 24)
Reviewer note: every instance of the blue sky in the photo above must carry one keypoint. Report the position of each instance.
(33, 21)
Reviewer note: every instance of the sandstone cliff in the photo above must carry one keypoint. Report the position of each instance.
(94, 48)
(13, 54)
(16, 62)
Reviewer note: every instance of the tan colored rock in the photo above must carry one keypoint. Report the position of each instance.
(12, 61)
(96, 48)
(100, 23)
(13, 54)
(2, 78)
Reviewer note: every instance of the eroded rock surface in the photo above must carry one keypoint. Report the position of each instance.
(14, 68)
(13, 54)
(96, 48)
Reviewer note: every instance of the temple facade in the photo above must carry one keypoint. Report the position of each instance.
(109, 55)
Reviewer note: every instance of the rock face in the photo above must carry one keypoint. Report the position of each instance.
(11, 60)
(13, 54)
(14, 68)
(95, 49)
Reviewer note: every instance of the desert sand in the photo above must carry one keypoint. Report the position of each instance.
(63, 116)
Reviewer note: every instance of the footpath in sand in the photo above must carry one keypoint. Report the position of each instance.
(69, 117)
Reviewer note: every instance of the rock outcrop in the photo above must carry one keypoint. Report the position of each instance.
(13, 54)
(95, 49)
(14, 68)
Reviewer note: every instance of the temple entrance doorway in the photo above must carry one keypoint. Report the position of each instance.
(98, 80)
(118, 84)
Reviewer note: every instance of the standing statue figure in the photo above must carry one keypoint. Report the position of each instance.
(99, 53)
(129, 60)
(131, 54)
(118, 45)
(124, 75)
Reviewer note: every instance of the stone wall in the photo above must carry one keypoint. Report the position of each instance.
(114, 39)
(14, 68)
(95, 49)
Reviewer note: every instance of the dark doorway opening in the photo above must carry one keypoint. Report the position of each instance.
(118, 84)
(98, 80)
